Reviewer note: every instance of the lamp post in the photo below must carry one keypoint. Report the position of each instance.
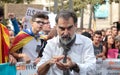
(55, 6)
(119, 10)
(70, 5)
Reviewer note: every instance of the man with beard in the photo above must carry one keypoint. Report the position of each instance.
(68, 53)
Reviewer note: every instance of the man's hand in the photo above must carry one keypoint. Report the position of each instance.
(37, 60)
(12, 60)
(43, 69)
(11, 15)
(25, 58)
(64, 66)
(55, 59)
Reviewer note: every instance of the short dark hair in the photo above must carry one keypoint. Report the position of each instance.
(39, 15)
(46, 17)
(98, 32)
(87, 34)
(66, 14)
(1, 11)
(113, 27)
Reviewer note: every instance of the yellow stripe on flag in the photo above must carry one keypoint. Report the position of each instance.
(5, 35)
(0, 46)
(21, 43)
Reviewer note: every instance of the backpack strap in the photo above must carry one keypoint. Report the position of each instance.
(43, 44)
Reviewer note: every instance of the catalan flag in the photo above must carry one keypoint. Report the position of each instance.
(4, 44)
(20, 40)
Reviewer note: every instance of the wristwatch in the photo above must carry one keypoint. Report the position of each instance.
(75, 68)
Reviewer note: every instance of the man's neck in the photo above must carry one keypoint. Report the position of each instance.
(96, 44)
(34, 32)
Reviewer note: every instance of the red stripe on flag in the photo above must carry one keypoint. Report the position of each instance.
(4, 43)
(20, 37)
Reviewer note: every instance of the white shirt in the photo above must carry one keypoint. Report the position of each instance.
(82, 53)
(30, 49)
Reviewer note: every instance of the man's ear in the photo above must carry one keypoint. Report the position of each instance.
(31, 23)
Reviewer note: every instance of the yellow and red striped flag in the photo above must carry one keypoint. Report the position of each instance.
(4, 43)
(20, 40)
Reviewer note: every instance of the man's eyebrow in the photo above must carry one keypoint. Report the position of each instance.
(69, 26)
(61, 27)
(66, 27)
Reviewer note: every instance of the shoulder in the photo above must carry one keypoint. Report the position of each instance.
(83, 39)
(53, 41)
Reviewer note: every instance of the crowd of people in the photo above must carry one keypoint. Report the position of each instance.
(106, 42)
(62, 50)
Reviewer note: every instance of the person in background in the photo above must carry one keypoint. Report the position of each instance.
(47, 32)
(5, 42)
(20, 25)
(90, 31)
(52, 33)
(79, 30)
(108, 31)
(114, 31)
(117, 24)
(27, 45)
(87, 34)
(11, 33)
(109, 46)
(45, 29)
(98, 47)
(68, 53)
(117, 44)
(103, 35)
(15, 23)
(119, 33)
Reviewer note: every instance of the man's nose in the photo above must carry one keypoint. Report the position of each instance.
(66, 32)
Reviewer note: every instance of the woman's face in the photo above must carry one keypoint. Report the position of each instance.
(11, 33)
(110, 39)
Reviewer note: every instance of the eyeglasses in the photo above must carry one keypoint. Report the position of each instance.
(39, 22)
(46, 22)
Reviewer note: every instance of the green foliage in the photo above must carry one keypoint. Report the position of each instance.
(116, 1)
(16, 1)
(78, 4)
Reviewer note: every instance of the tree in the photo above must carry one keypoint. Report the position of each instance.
(80, 5)
(116, 1)
(16, 1)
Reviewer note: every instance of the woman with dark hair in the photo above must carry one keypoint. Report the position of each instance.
(109, 47)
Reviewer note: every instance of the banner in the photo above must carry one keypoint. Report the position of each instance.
(108, 67)
(101, 11)
(7, 69)
(31, 11)
(26, 69)
(103, 67)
